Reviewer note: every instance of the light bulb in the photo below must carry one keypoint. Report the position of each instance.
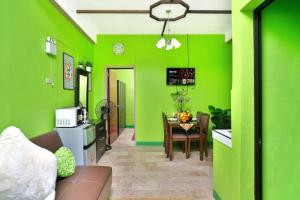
(161, 43)
(175, 43)
(169, 46)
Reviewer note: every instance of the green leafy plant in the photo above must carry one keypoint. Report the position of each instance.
(180, 97)
(220, 118)
(89, 64)
(81, 63)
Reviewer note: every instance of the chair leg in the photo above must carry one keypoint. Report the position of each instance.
(183, 148)
(165, 146)
(170, 149)
(166, 143)
(201, 147)
(205, 146)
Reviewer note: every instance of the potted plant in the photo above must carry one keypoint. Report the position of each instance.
(88, 66)
(180, 98)
(220, 118)
(81, 65)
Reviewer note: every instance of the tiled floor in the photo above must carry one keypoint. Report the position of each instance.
(144, 172)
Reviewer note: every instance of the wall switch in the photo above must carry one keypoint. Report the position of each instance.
(49, 81)
(51, 46)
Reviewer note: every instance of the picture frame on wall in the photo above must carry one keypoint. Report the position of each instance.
(68, 71)
(180, 76)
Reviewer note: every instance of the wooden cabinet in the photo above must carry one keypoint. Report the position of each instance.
(100, 127)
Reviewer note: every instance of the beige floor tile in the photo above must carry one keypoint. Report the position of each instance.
(144, 172)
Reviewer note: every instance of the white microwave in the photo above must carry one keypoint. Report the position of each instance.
(68, 117)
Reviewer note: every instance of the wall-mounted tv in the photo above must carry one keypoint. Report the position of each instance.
(180, 76)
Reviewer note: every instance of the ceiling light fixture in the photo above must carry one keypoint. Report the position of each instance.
(169, 43)
(178, 7)
(161, 43)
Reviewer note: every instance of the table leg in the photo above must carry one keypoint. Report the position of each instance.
(190, 147)
(186, 149)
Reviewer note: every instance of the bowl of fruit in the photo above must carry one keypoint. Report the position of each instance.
(185, 116)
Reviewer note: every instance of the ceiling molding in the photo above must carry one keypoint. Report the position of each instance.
(71, 20)
(209, 11)
(148, 11)
(112, 11)
(96, 17)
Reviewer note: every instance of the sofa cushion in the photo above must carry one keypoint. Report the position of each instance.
(50, 141)
(97, 178)
(27, 171)
(65, 162)
(87, 183)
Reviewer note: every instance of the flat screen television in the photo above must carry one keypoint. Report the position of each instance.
(180, 76)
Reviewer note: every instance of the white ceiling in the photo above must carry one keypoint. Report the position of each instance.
(94, 24)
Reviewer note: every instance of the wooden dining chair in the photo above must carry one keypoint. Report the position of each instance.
(165, 126)
(200, 134)
(173, 135)
(176, 134)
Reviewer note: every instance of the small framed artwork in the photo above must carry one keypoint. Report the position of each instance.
(68, 73)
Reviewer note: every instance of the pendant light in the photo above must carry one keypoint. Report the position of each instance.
(168, 44)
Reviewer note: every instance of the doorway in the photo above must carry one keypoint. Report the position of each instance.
(277, 100)
(120, 91)
(121, 102)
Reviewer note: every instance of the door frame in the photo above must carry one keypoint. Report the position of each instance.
(258, 142)
(106, 92)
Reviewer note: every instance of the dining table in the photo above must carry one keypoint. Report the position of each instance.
(174, 123)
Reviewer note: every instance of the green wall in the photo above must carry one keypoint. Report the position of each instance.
(127, 77)
(26, 100)
(234, 168)
(209, 54)
(281, 100)
(5, 57)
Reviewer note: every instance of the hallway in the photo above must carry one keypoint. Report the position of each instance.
(144, 172)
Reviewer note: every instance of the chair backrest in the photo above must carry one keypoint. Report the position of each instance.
(203, 120)
(198, 115)
(165, 123)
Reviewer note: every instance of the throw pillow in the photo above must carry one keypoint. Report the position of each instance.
(27, 171)
(65, 162)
